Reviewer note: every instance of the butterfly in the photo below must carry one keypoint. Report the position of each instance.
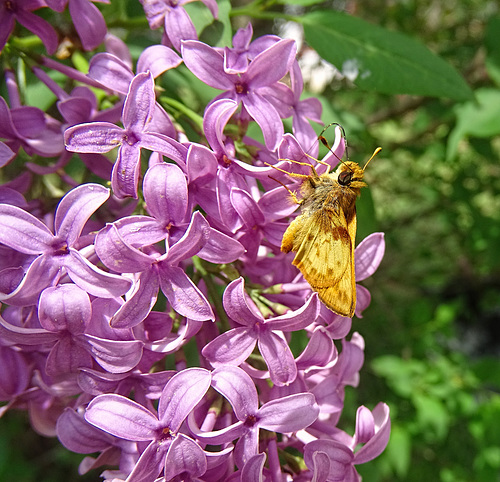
(323, 235)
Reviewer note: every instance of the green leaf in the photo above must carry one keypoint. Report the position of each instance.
(302, 3)
(381, 60)
(399, 450)
(478, 119)
(219, 32)
(432, 416)
(492, 43)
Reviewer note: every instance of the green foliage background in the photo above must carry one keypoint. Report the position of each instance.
(428, 92)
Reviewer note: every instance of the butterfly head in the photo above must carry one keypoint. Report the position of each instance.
(349, 174)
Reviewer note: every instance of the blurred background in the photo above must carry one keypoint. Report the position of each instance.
(432, 331)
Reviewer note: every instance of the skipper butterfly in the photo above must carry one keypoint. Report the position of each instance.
(323, 236)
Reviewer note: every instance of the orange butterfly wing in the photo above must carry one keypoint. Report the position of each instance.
(324, 243)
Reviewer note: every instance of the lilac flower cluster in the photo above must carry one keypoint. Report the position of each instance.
(180, 259)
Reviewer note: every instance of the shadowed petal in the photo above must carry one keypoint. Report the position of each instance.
(67, 356)
(79, 436)
(40, 27)
(184, 456)
(125, 175)
(113, 355)
(89, 23)
(279, 358)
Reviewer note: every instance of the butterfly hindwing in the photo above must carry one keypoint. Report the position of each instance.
(324, 244)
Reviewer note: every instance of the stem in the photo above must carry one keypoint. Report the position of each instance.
(211, 291)
(190, 114)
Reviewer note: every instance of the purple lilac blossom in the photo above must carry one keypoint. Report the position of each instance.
(103, 293)
(20, 11)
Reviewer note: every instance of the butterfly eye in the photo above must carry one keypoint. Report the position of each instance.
(345, 178)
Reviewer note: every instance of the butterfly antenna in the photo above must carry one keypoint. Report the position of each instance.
(325, 142)
(377, 150)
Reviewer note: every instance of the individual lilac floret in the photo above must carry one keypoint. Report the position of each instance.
(103, 136)
(235, 346)
(20, 11)
(27, 127)
(171, 13)
(79, 436)
(252, 88)
(156, 270)
(65, 313)
(337, 459)
(116, 74)
(168, 448)
(52, 253)
(283, 415)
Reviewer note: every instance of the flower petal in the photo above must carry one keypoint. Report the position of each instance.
(289, 414)
(238, 388)
(89, 23)
(238, 306)
(92, 279)
(184, 296)
(279, 358)
(181, 394)
(22, 231)
(93, 137)
(122, 417)
(207, 64)
(166, 193)
(115, 356)
(184, 456)
(272, 64)
(368, 255)
(75, 209)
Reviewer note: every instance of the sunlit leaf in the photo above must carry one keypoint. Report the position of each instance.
(381, 60)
